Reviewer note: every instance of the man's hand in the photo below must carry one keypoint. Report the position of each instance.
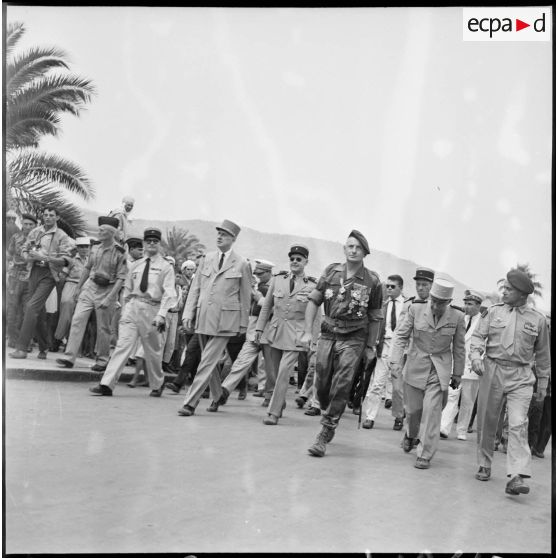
(369, 355)
(540, 394)
(257, 337)
(395, 370)
(242, 330)
(455, 382)
(188, 324)
(36, 256)
(158, 321)
(477, 366)
(107, 302)
(306, 339)
(76, 295)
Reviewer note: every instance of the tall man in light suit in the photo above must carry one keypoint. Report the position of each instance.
(218, 306)
(436, 357)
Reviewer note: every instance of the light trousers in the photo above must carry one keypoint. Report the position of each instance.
(284, 363)
(468, 390)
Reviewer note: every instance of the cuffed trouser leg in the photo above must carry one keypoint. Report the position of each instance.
(414, 398)
(241, 365)
(373, 398)
(85, 305)
(288, 360)
(469, 391)
(429, 433)
(450, 410)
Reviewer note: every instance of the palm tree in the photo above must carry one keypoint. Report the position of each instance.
(538, 286)
(181, 245)
(37, 93)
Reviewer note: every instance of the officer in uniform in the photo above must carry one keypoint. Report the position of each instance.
(510, 335)
(287, 298)
(149, 292)
(102, 278)
(251, 348)
(437, 352)
(218, 305)
(352, 298)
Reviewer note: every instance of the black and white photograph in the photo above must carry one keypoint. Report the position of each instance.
(334, 221)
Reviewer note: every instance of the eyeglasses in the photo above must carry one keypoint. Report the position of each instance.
(151, 241)
(391, 286)
(295, 259)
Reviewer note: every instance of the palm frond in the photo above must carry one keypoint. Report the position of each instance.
(35, 63)
(13, 34)
(32, 169)
(25, 127)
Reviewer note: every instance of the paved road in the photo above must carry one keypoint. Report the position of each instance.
(126, 474)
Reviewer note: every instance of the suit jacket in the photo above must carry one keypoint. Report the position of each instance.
(287, 323)
(219, 300)
(441, 344)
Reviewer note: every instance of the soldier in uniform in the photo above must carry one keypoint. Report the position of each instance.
(218, 305)
(510, 335)
(287, 298)
(251, 348)
(102, 277)
(18, 279)
(46, 251)
(352, 297)
(149, 292)
(436, 356)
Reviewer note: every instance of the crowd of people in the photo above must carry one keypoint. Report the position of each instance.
(355, 340)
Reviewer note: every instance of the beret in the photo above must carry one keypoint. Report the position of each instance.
(110, 221)
(361, 238)
(520, 280)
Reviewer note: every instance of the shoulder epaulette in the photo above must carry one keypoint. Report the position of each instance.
(311, 279)
(484, 314)
(120, 248)
(419, 301)
(282, 272)
(457, 307)
(331, 266)
(410, 299)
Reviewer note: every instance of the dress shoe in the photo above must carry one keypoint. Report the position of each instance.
(505, 446)
(131, 385)
(407, 443)
(98, 368)
(42, 355)
(205, 394)
(356, 411)
(398, 424)
(313, 412)
(186, 411)
(101, 390)
(461, 436)
(368, 424)
(516, 486)
(224, 397)
(470, 430)
(64, 363)
(131, 362)
(157, 392)
(143, 384)
(172, 386)
(241, 395)
(259, 393)
(18, 354)
(266, 402)
(301, 401)
(443, 435)
(483, 474)
(422, 463)
(270, 420)
(537, 453)
(213, 407)
(387, 404)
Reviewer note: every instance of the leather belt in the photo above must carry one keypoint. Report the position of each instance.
(508, 363)
(147, 300)
(344, 323)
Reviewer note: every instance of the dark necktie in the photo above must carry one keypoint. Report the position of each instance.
(469, 324)
(292, 283)
(143, 282)
(221, 260)
(393, 316)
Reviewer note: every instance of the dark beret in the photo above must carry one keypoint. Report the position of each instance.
(360, 237)
(29, 217)
(111, 221)
(521, 281)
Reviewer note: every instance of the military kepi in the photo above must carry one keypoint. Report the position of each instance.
(152, 233)
(424, 274)
(474, 296)
(442, 289)
(299, 249)
(363, 242)
(134, 242)
(521, 281)
(229, 227)
(110, 221)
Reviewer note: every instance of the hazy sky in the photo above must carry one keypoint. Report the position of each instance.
(316, 121)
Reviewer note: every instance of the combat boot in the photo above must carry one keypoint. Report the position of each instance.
(318, 449)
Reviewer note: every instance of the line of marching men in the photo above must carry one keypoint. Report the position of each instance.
(429, 347)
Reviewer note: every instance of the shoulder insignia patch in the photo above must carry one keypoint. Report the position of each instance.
(282, 272)
(457, 307)
(484, 314)
(410, 299)
(120, 248)
(419, 301)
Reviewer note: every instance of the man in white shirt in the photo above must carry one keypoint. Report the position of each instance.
(392, 310)
(469, 386)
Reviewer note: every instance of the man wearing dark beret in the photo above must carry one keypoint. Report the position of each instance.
(97, 290)
(352, 299)
(509, 337)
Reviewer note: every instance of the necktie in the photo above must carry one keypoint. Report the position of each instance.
(509, 332)
(469, 324)
(143, 282)
(393, 316)
(221, 260)
(292, 283)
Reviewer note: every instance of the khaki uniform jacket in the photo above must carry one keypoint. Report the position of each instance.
(219, 300)
(441, 345)
(287, 323)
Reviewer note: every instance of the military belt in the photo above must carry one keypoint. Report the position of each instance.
(348, 324)
(147, 300)
(508, 363)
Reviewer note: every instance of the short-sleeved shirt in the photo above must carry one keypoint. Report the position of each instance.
(352, 302)
(109, 262)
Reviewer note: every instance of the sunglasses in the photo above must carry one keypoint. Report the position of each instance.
(391, 286)
(295, 259)
(151, 241)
